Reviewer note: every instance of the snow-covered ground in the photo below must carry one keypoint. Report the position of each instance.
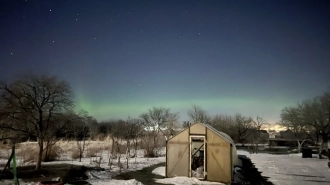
(93, 182)
(102, 160)
(178, 180)
(291, 169)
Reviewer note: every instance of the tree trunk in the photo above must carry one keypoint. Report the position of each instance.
(119, 164)
(324, 145)
(46, 152)
(80, 153)
(257, 145)
(41, 148)
(135, 147)
(300, 144)
(127, 153)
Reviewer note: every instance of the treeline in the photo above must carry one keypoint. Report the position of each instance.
(41, 108)
(242, 129)
(310, 119)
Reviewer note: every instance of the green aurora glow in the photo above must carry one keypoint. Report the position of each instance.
(248, 107)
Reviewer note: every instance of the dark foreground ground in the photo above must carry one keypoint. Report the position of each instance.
(71, 172)
(252, 175)
(67, 172)
(144, 176)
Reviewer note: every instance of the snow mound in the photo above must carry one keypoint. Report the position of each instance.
(115, 182)
(159, 171)
(300, 155)
(184, 180)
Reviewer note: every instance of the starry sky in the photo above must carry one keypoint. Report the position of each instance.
(124, 57)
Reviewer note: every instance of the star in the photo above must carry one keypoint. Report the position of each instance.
(50, 10)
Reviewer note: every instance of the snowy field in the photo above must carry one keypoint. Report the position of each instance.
(102, 156)
(281, 169)
(291, 169)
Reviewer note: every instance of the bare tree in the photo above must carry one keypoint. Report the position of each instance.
(115, 133)
(292, 119)
(59, 125)
(171, 126)
(129, 134)
(197, 114)
(105, 128)
(224, 123)
(136, 132)
(186, 124)
(316, 113)
(82, 133)
(30, 103)
(242, 126)
(257, 124)
(154, 121)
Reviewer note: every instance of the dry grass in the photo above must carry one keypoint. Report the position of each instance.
(5, 151)
(63, 149)
(28, 153)
(93, 151)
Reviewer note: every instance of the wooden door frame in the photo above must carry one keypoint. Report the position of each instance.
(204, 146)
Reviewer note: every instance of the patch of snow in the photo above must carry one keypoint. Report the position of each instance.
(300, 155)
(115, 182)
(159, 171)
(290, 169)
(97, 177)
(21, 182)
(184, 180)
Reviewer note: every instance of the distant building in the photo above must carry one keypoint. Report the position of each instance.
(287, 138)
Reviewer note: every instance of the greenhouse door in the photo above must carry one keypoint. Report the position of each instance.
(197, 157)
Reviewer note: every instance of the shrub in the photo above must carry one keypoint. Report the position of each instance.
(93, 151)
(29, 152)
(151, 148)
(75, 154)
(51, 154)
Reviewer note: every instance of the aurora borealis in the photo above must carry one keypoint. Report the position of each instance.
(124, 57)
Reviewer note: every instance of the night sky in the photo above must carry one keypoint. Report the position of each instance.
(124, 57)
